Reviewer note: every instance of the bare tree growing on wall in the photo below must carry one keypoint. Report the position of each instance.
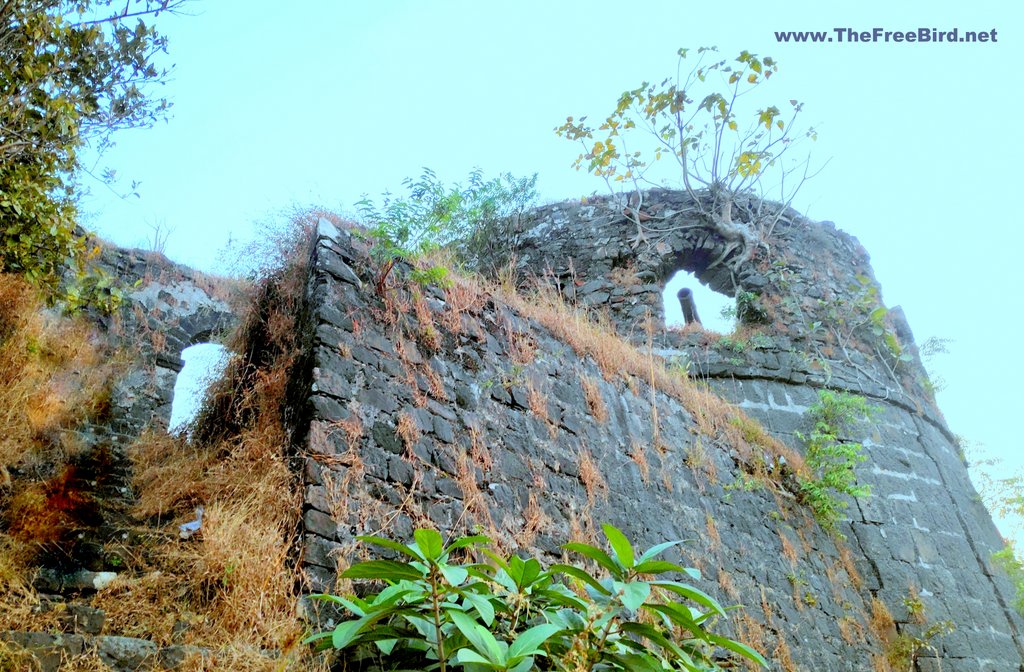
(722, 166)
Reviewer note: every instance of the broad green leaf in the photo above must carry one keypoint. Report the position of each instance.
(454, 575)
(530, 641)
(483, 607)
(658, 549)
(392, 594)
(677, 613)
(620, 545)
(481, 639)
(386, 646)
(430, 543)
(387, 570)
(634, 594)
(738, 647)
(532, 571)
(467, 655)
(393, 545)
(658, 567)
(524, 665)
(346, 632)
(343, 601)
(502, 578)
(317, 637)
(582, 575)
(695, 594)
(637, 662)
(652, 634)
(595, 554)
(499, 561)
(463, 542)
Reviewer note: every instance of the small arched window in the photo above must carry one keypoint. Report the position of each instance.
(717, 312)
(204, 363)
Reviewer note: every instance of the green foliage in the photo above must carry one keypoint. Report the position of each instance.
(1004, 497)
(904, 649)
(1007, 559)
(749, 309)
(700, 130)
(71, 73)
(93, 287)
(830, 458)
(697, 120)
(510, 614)
(434, 215)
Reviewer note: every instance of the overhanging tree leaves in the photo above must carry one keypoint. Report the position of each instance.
(72, 72)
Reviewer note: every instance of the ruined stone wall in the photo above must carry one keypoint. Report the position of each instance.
(168, 308)
(451, 405)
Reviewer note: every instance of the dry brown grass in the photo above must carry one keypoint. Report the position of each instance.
(751, 633)
(53, 375)
(427, 334)
(462, 296)
(727, 586)
(850, 630)
(625, 276)
(591, 476)
(235, 583)
(472, 498)
(409, 369)
(479, 451)
(351, 429)
(534, 519)
(596, 338)
(520, 345)
(20, 604)
(712, 530)
(639, 455)
(407, 431)
(700, 462)
(846, 558)
(434, 383)
(883, 627)
(788, 550)
(595, 402)
(784, 655)
(881, 623)
(537, 401)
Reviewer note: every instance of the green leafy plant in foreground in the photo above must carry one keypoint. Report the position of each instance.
(511, 615)
(830, 458)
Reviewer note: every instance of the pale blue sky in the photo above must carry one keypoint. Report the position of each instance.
(321, 102)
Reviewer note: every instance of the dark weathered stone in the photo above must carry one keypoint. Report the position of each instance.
(48, 650)
(648, 468)
(320, 523)
(83, 619)
(320, 551)
(173, 657)
(126, 653)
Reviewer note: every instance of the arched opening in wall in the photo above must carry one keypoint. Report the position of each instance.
(716, 312)
(204, 363)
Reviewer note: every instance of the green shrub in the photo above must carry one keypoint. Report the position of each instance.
(511, 615)
(1013, 567)
(71, 74)
(830, 458)
(434, 215)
